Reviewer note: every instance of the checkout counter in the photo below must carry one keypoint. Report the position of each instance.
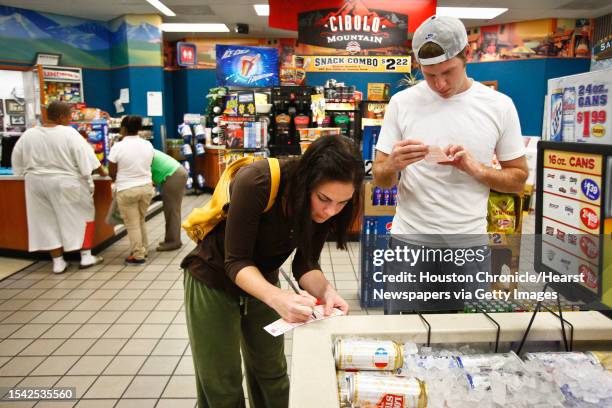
(14, 221)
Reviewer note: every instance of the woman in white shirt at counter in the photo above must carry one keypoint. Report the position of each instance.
(129, 165)
(57, 164)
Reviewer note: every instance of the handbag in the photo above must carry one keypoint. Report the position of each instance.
(113, 217)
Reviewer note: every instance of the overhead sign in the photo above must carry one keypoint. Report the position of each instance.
(352, 27)
(61, 75)
(284, 14)
(186, 54)
(326, 63)
(247, 66)
(603, 49)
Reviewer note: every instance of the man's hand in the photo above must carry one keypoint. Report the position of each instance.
(462, 159)
(405, 153)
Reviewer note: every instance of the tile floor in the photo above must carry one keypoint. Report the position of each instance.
(116, 333)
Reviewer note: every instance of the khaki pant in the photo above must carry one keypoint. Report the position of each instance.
(133, 204)
(220, 326)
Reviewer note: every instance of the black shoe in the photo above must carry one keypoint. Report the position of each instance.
(130, 260)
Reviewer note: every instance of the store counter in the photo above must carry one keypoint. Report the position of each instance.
(313, 372)
(13, 216)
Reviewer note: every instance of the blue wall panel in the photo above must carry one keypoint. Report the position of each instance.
(139, 80)
(525, 81)
(98, 90)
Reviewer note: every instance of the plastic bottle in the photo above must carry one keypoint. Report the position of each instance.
(377, 196)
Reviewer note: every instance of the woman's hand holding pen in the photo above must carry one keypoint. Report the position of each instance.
(292, 307)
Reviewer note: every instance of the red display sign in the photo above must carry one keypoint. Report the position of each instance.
(186, 54)
(352, 27)
(284, 14)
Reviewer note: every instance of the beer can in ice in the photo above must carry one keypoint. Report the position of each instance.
(556, 115)
(489, 362)
(604, 358)
(370, 391)
(552, 358)
(361, 354)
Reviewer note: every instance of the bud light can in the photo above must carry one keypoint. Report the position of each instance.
(556, 115)
(386, 197)
(393, 198)
(200, 181)
(377, 196)
(569, 114)
(189, 183)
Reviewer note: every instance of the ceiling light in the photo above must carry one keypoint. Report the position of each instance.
(194, 28)
(477, 13)
(262, 9)
(161, 7)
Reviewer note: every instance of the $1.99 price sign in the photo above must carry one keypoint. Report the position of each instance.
(591, 114)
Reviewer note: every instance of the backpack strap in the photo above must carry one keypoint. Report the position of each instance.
(274, 182)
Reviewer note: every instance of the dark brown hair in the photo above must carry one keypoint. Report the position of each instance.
(132, 124)
(329, 158)
(57, 109)
(432, 50)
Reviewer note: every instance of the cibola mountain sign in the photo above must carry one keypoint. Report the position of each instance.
(353, 27)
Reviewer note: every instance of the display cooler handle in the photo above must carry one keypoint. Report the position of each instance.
(495, 323)
(568, 345)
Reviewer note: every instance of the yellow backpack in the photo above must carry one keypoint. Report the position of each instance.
(202, 220)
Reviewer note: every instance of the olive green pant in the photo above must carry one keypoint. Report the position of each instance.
(220, 326)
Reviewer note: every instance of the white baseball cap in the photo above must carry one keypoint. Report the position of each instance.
(448, 32)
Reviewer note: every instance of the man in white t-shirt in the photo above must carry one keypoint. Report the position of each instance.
(456, 125)
(57, 164)
(130, 168)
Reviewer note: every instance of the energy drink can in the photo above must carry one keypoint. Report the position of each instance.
(368, 390)
(556, 115)
(374, 355)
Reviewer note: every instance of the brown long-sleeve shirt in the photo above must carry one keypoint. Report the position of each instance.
(250, 237)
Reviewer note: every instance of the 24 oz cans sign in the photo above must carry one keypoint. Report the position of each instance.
(322, 63)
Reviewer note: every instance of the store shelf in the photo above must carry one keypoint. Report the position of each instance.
(313, 366)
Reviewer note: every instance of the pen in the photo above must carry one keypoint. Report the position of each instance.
(295, 289)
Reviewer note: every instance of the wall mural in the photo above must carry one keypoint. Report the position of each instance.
(569, 38)
(84, 43)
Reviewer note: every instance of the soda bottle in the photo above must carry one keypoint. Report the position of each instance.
(386, 197)
(201, 181)
(393, 198)
(377, 196)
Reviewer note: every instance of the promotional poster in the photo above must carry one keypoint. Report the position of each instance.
(247, 66)
(352, 27)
